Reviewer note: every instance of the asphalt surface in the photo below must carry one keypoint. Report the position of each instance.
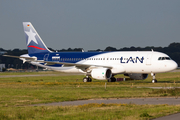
(159, 87)
(170, 117)
(139, 101)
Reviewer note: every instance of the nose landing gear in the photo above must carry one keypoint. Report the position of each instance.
(154, 78)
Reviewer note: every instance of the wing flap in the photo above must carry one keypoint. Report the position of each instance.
(78, 65)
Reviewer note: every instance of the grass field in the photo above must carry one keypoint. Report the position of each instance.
(17, 93)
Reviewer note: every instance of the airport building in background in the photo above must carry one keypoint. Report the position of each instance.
(2, 66)
(2, 52)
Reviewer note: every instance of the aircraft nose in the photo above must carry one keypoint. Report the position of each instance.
(174, 65)
(170, 65)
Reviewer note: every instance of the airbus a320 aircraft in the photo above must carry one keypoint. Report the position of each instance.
(98, 65)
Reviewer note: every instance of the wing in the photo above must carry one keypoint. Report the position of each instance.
(81, 66)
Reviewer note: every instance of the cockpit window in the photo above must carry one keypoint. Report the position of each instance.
(168, 58)
(164, 58)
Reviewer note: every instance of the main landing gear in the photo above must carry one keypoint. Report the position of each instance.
(87, 79)
(112, 79)
(154, 78)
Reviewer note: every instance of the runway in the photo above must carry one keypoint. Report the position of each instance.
(139, 101)
(170, 117)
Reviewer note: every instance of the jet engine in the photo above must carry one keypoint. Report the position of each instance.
(137, 76)
(101, 73)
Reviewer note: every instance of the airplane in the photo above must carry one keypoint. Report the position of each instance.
(98, 65)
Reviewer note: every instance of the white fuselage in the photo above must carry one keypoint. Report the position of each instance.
(124, 62)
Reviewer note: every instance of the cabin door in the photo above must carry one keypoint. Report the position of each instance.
(148, 60)
(46, 57)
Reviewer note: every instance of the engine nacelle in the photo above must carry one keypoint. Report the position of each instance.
(137, 76)
(101, 73)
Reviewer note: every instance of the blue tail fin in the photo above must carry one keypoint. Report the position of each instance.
(33, 40)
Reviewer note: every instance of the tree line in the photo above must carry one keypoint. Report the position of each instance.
(173, 50)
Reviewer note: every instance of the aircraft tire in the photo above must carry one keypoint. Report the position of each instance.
(113, 79)
(85, 79)
(89, 79)
(154, 81)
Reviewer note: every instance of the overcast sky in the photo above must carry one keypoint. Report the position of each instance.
(91, 24)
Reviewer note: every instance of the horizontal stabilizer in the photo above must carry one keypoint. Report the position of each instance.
(23, 58)
(29, 58)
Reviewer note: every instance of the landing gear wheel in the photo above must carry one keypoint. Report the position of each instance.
(154, 81)
(87, 79)
(154, 78)
(112, 79)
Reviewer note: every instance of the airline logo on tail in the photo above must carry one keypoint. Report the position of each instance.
(31, 37)
(33, 40)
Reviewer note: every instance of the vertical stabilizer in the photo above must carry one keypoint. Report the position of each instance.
(33, 40)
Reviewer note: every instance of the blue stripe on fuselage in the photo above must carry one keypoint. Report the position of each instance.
(64, 56)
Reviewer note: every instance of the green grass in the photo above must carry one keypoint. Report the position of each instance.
(30, 93)
(88, 112)
(17, 93)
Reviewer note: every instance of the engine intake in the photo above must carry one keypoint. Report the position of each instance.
(101, 73)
